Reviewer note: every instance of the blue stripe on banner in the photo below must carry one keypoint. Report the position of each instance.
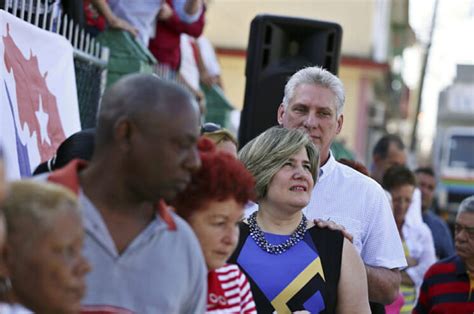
(22, 150)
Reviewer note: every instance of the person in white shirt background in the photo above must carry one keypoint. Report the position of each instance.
(416, 238)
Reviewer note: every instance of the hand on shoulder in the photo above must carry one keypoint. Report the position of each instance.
(333, 226)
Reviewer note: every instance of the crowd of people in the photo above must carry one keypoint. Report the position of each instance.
(280, 226)
(154, 212)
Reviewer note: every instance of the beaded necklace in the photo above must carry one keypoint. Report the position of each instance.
(258, 236)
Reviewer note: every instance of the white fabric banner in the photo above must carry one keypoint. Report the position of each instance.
(38, 98)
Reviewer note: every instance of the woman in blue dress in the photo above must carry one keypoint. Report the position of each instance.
(292, 264)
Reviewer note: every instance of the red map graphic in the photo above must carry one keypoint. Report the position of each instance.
(31, 91)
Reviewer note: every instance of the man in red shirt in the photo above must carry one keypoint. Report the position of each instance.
(448, 285)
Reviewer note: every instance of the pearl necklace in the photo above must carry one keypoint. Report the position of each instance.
(259, 237)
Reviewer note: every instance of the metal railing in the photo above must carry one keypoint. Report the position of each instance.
(49, 17)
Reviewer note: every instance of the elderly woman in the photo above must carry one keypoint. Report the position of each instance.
(42, 257)
(293, 265)
(213, 204)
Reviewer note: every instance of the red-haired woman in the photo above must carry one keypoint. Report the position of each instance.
(213, 204)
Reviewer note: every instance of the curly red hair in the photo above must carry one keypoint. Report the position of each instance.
(221, 177)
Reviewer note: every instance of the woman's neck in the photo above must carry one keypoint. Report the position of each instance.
(272, 220)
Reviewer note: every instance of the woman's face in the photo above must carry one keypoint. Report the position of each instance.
(48, 277)
(293, 183)
(401, 200)
(217, 230)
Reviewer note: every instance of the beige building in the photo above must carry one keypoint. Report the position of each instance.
(372, 31)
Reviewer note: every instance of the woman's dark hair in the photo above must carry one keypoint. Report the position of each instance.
(79, 145)
(397, 176)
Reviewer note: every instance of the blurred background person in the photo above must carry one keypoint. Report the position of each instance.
(293, 265)
(387, 152)
(142, 14)
(98, 16)
(222, 138)
(209, 67)
(417, 239)
(213, 204)
(443, 240)
(80, 145)
(43, 264)
(165, 45)
(448, 284)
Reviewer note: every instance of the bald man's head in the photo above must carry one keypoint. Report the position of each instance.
(134, 97)
(146, 135)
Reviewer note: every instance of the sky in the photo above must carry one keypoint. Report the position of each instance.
(453, 43)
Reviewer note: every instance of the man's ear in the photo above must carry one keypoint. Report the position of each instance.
(6, 259)
(340, 121)
(280, 114)
(123, 131)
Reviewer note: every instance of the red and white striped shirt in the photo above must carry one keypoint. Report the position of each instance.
(229, 291)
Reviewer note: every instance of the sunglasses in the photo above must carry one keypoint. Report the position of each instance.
(210, 127)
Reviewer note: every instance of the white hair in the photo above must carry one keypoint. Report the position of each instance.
(467, 205)
(316, 76)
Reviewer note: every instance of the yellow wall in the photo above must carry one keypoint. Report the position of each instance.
(233, 76)
(228, 21)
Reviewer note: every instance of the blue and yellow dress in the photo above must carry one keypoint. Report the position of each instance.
(305, 277)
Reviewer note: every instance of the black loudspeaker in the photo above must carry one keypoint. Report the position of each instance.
(278, 47)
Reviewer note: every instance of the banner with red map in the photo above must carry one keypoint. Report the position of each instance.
(38, 98)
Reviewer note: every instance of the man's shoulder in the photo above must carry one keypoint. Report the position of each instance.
(183, 230)
(433, 219)
(445, 266)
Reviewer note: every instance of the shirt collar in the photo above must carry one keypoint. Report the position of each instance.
(460, 267)
(68, 177)
(328, 167)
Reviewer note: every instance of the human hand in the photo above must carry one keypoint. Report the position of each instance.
(334, 226)
(165, 12)
(207, 79)
(118, 23)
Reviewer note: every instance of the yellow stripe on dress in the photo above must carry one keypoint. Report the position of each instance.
(279, 302)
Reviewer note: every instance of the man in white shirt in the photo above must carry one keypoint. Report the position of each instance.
(313, 101)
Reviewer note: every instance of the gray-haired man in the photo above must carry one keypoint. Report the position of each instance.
(314, 101)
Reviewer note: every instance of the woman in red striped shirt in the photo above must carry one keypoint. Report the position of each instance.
(213, 204)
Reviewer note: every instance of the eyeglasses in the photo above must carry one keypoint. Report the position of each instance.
(210, 127)
(469, 230)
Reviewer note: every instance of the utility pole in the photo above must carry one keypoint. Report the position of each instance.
(422, 78)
